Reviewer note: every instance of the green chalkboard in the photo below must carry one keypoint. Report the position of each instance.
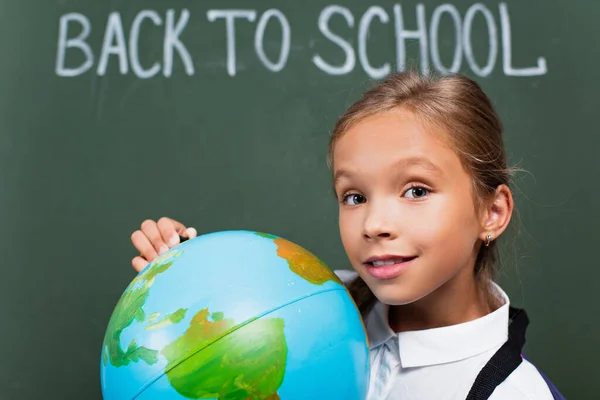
(217, 113)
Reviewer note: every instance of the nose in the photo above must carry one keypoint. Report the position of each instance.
(379, 223)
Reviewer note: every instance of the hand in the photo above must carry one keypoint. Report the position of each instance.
(155, 238)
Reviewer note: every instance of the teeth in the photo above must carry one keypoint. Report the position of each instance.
(387, 262)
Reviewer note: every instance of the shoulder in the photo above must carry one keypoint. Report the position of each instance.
(345, 275)
(525, 383)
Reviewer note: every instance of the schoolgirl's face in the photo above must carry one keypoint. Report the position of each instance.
(407, 214)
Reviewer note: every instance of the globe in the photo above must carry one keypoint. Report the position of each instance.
(235, 315)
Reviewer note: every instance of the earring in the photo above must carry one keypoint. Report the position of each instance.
(488, 239)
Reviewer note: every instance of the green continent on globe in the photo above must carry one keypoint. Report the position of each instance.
(169, 319)
(130, 309)
(302, 262)
(153, 317)
(266, 235)
(226, 361)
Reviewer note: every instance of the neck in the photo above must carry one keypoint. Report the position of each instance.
(459, 300)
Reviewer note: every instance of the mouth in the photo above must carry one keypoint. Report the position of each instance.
(383, 261)
(388, 266)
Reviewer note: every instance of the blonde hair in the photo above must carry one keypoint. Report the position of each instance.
(459, 106)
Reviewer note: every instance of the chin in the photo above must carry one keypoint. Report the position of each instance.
(395, 294)
(394, 299)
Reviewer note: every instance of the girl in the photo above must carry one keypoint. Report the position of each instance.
(421, 176)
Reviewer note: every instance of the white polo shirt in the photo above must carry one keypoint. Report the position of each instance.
(442, 363)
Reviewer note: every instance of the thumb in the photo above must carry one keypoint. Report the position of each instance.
(179, 228)
(191, 232)
(188, 233)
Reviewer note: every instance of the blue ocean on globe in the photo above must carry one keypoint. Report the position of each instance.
(235, 315)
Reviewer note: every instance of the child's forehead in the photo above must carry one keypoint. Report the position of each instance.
(381, 150)
(397, 134)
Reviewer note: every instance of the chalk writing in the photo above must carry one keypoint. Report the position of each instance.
(120, 43)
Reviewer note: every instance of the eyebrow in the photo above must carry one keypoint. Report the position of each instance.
(339, 174)
(420, 162)
(403, 163)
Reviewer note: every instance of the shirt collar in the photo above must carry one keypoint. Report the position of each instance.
(445, 344)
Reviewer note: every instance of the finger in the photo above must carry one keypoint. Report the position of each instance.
(139, 263)
(143, 245)
(150, 229)
(168, 230)
(183, 231)
(191, 233)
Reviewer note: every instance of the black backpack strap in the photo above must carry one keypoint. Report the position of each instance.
(505, 360)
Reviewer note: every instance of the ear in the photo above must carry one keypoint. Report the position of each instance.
(496, 213)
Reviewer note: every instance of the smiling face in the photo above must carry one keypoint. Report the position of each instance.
(407, 214)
